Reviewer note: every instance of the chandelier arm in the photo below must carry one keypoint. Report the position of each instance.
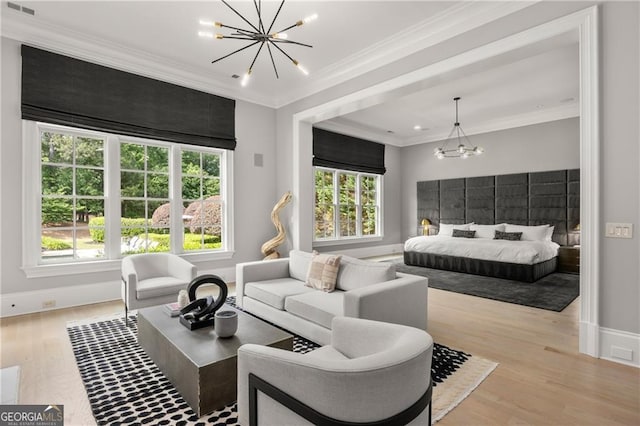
(275, 17)
(243, 18)
(258, 6)
(232, 37)
(272, 61)
(446, 141)
(256, 57)
(236, 28)
(235, 51)
(288, 28)
(283, 52)
(292, 42)
(465, 136)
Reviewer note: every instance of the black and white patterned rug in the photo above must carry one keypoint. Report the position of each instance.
(124, 385)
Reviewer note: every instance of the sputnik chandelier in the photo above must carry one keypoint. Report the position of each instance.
(462, 150)
(257, 34)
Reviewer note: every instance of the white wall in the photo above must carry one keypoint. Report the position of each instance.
(254, 188)
(549, 146)
(619, 266)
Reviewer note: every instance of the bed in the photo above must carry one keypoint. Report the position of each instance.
(527, 259)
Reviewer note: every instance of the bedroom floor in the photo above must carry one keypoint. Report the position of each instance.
(541, 378)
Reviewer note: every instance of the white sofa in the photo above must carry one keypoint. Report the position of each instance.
(274, 290)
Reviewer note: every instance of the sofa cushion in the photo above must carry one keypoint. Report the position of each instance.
(274, 292)
(299, 262)
(323, 272)
(154, 287)
(355, 273)
(316, 306)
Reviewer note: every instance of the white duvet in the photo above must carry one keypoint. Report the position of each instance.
(523, 252)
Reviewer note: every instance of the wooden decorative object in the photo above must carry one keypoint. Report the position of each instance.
(269, 249)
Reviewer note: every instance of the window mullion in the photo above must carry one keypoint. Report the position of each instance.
(112, 206)
(358, 207)
(176, 228)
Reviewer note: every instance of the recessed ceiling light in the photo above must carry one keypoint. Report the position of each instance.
(235, 76)
(390, 131)
(417, 127)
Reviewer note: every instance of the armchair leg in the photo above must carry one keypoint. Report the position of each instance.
(126, 315)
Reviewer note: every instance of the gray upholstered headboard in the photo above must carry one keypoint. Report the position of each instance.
(536, 198)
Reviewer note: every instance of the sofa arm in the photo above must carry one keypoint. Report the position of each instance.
(182, 269)
(260, 270)
(400, 301)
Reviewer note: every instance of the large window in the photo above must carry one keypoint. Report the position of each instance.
(102, 196)
(347, 205)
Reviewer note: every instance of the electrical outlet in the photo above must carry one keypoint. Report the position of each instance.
(48, 304)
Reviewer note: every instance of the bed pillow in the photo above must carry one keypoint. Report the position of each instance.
(447, 228)
(462, 233)
(530, 233)
(486, 231)
(510, 236)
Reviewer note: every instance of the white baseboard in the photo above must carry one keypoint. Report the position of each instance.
(620, 346)
(372, 251)
(27, 302)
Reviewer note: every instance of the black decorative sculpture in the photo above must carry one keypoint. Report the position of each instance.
(200, 313)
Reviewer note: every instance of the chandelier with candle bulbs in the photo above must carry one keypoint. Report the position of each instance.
(258, 34)
(457, 136)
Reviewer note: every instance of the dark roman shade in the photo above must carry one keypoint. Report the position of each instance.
(58, 89)
(347, 153)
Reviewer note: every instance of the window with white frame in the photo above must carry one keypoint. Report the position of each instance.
(100, 196)
(347, 205)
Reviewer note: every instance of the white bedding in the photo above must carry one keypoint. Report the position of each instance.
(523, 252)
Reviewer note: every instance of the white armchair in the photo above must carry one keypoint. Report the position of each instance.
(372, 372)
(153, 279)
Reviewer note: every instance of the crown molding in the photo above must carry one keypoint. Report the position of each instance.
(453, 21)
(355, 129)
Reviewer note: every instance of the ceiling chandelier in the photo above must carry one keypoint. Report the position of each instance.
(258, 34)
(462, 150)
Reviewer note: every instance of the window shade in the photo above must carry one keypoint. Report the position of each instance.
(58, 89)
(347, 153)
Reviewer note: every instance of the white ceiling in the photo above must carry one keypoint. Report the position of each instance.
(159, 39)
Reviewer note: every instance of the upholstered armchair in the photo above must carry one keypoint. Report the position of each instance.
(372, 372)
(153, 279)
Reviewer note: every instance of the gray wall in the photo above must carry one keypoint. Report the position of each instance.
(255, 132)
(619, 202)
(541, 147)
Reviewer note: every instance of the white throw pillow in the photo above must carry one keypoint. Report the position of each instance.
(486, 231)
(447, 228)
(530, 233)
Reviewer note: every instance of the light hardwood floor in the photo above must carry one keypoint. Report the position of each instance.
(541, 379)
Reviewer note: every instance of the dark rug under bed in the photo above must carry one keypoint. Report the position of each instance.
(553, 292)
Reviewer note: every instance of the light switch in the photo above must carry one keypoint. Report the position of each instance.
(619, 230)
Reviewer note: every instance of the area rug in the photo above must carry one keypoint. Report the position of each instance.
(124, 386)
(553, 292)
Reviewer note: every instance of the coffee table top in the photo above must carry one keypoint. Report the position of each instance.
(203, 346)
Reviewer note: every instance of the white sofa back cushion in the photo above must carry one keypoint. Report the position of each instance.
(355, 273)
(299, 262)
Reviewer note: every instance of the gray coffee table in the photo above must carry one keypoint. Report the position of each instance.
(201, 366)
